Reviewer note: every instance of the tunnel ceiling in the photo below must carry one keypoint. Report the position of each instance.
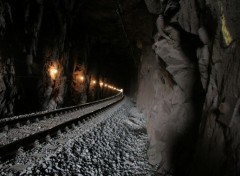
(114, 28)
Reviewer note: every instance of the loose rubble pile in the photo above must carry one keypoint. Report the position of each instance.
(17, 133)
(114, 143)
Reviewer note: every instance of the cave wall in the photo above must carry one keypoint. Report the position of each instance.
(189, 87)
(46, 57)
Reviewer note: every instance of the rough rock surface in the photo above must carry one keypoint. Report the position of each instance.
(199, 126)
(171, 115)
(8, 89)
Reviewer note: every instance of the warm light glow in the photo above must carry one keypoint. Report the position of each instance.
(94, 82)
(110, 87)
(81, 78)
(53, 72)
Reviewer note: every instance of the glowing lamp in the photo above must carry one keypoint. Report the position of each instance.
(80, 78)
(101, 84)
(53, 72)
(94, 82)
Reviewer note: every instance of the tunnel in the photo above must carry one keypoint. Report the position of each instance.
(157, 82)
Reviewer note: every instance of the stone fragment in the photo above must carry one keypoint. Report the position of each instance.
(50, 147)
(38, 155)
(18, 167)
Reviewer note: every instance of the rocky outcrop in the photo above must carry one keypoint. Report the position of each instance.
(174, 107)
(219, 126)
(170, 100)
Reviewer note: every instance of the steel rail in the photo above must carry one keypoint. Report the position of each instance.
(7, 123)
(10, 150)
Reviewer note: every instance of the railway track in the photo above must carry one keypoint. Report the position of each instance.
(65, 119)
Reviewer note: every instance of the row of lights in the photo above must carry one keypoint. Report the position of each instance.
(107, 86)
(53, 72)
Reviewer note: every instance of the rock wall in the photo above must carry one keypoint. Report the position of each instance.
(44, 56)
(189, 87)
(219, 128)
(8, 87)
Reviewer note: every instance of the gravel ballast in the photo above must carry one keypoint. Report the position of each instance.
(113, 143)
(14, 134)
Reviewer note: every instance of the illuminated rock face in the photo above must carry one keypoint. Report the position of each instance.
(170, 102)
(210, 145)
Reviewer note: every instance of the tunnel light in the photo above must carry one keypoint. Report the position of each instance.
(101, 84)
(94, 82)
(53, 72)
(80, 78)
(112, 87)
(121, 90)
